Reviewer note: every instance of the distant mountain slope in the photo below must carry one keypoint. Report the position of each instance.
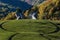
(34, 2)
(9, 12)
(5, 9)
(17, 3)
(23, 4)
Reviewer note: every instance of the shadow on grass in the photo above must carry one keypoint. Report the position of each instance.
(55, 25)
(46, 35)
(10, 38)
(2, 26)
(57, 28)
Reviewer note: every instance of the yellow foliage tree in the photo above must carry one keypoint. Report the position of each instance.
(42, 7)
(10, 16)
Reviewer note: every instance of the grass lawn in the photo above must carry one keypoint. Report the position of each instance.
(29, 30)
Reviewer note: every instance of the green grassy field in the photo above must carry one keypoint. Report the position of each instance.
(29, 30)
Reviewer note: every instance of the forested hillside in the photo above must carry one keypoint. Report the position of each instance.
(49, 9)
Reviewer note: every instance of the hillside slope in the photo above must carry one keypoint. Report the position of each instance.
(49, 9)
